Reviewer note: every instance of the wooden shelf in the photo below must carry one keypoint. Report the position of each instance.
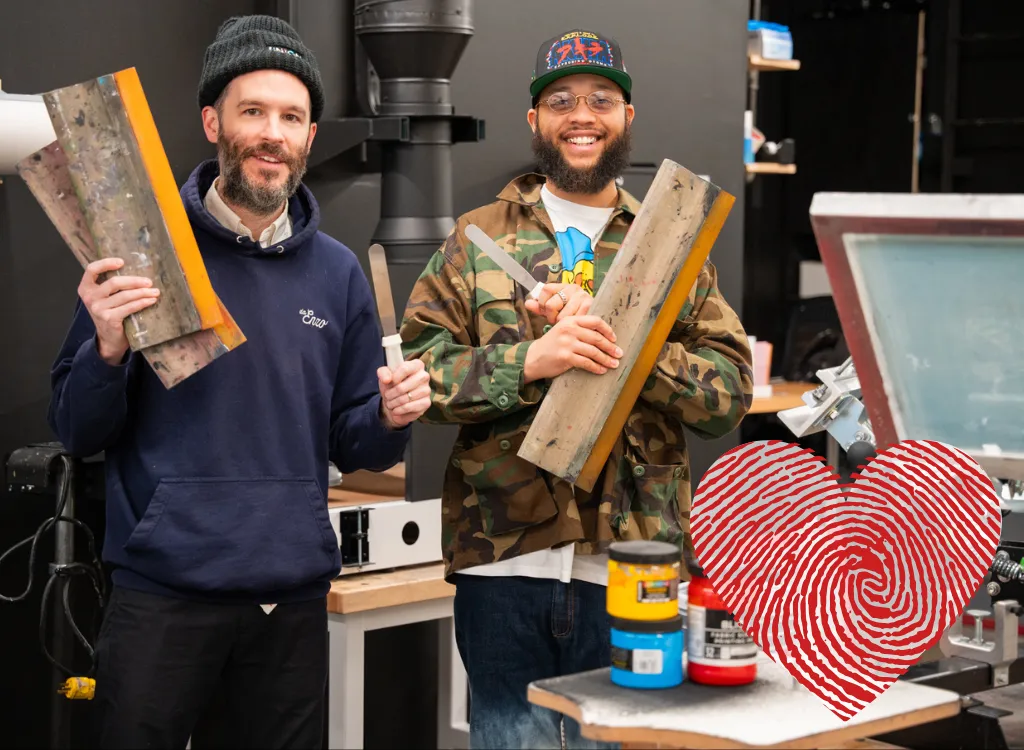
(764, 167)
(759, 63)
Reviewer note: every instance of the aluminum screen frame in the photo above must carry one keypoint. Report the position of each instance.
(834, 215)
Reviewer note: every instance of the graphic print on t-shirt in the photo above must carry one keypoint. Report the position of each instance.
(577, 230)
(577, 259)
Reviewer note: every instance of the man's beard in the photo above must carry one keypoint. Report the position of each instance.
(612, 163)
(260, 199)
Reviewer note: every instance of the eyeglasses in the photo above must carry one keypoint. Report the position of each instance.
(600, 102)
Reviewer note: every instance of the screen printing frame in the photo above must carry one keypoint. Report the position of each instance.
(834, 215)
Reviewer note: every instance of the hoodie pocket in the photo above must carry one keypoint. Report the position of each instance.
(228, 534)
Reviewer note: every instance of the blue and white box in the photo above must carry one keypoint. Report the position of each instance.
(772, 41)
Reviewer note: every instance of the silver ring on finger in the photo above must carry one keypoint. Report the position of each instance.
(561, 293)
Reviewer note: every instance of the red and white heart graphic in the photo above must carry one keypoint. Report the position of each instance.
(845, 586)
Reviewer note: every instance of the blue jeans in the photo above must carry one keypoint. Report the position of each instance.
(512, 631)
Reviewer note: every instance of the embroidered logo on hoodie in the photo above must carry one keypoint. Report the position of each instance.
(311, 320)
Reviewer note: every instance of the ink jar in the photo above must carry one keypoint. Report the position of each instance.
(718, 650)
(647, 654)
(643, 580)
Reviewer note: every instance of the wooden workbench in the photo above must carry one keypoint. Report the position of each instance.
(774, 712)
(369, 591)
(373, 601)
(784, 396)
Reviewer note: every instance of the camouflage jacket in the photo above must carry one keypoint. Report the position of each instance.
(466, 319)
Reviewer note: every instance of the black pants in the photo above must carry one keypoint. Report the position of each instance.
(224, 675)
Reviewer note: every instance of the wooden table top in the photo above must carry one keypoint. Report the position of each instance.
(773, 712)
(784, 396)
(339, 498)
(361, 592)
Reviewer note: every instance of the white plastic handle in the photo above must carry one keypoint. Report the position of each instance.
(393, 350)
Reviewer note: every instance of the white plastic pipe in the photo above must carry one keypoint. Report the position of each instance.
(25, 128)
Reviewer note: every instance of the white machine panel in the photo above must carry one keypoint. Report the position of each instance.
(388, 534)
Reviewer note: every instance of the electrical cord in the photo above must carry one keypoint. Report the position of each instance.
(61, 574)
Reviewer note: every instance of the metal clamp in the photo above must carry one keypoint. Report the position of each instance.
(999, 653)
(834, 406)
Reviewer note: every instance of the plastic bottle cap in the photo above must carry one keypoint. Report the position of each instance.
(644, 552)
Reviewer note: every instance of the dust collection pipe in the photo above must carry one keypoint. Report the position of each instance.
(414, 47)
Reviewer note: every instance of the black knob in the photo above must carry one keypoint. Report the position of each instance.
(859, 453)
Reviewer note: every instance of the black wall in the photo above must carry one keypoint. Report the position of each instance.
(849, 112)
(688, 63)
(688, 60)
(850, 108)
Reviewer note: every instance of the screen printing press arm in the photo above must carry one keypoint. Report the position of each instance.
(835, 407)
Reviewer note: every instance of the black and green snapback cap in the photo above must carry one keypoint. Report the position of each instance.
(579, 51)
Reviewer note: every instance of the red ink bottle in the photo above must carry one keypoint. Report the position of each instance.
(719, 650)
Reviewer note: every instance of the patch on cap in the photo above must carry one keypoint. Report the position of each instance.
(580, 48)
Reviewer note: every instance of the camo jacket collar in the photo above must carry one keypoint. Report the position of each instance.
(525, 191)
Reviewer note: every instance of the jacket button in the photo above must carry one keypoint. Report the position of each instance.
(638, 471)
(503, 400)
(678, 472)
(547, 328)
(456, 463)
(505, 445)
(555, 267)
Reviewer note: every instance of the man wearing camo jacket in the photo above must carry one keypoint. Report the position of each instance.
(525, 549)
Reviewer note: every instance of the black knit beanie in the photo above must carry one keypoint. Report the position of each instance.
(248, 43)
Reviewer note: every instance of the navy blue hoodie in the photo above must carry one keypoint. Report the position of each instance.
(216, 488)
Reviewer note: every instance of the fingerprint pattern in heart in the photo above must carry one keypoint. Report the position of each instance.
(845, 586)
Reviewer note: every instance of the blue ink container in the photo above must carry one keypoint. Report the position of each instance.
(647, 654)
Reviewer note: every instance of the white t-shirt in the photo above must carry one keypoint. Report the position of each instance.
(577, 230)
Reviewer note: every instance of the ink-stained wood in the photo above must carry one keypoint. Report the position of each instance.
(46, 174)
(640, 297)
(165, 190)
(120, 207)
(177, 359)
(773, 712)
(48, 178)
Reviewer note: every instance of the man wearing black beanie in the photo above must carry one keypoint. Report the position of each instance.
(218, 536)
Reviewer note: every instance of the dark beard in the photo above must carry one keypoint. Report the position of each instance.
(262, 200)
(612, 163)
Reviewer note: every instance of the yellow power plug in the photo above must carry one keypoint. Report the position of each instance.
(78, 688)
